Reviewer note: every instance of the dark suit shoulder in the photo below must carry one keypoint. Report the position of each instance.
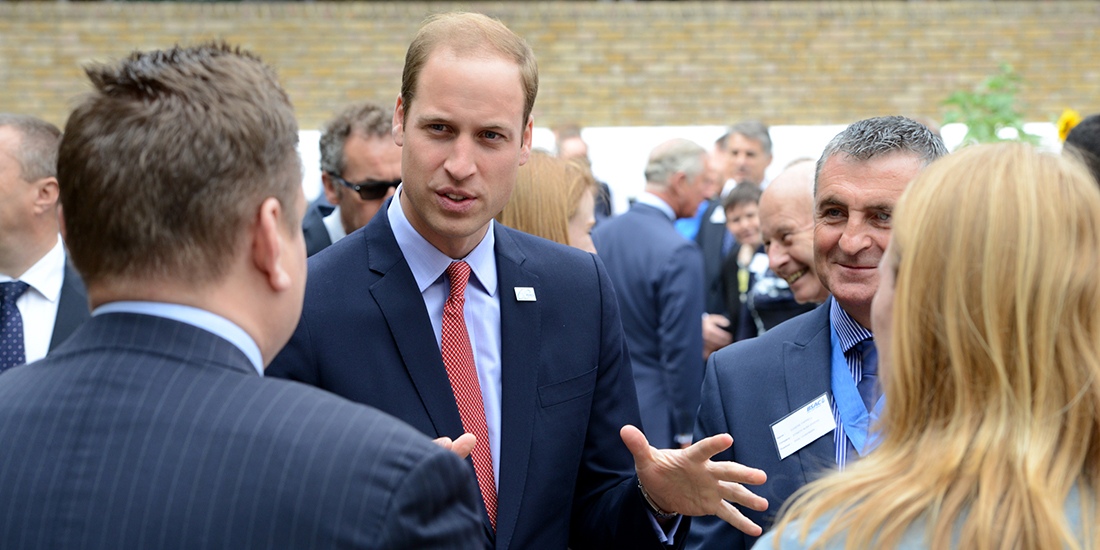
(765, 349)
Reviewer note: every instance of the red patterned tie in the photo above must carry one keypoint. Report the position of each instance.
(459, 359)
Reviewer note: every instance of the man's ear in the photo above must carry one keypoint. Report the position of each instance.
(399, 122)
(331, 189)
(46, 195)
(528, 136)
(267, 243)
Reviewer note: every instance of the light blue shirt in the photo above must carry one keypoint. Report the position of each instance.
(650, 199)
(847, 364)
(215, 324)
(482, 309)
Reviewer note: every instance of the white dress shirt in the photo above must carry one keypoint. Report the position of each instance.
(38, 305)
(334, 226)
(481, 311)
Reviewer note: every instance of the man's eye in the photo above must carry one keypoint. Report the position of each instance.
(489, 134)
(437, 127)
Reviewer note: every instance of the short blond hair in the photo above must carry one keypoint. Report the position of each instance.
(547, 193)
(464, 34)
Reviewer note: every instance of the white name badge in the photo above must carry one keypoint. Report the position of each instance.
(525, 294)
(803, 426)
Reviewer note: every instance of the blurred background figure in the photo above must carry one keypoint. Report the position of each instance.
(1083, 142)
(990, 332)
(553, 199)
(658, 275)
(360, 169)
(571, 146)
(787, 225)
(42, 299)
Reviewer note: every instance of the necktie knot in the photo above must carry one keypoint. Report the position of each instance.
(12, 290)
(458, 273)
(869, 353)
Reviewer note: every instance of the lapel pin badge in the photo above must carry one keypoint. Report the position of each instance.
(525, 294)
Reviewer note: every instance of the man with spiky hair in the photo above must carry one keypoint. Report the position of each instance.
(153, 426)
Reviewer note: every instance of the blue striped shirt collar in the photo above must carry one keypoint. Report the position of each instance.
(847, 329)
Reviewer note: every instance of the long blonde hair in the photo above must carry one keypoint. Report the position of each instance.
(992, 390)
(547, 193)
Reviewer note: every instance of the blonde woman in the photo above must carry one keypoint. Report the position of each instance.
(988, 312)
(553, 199)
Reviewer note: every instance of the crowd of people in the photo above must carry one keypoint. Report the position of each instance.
(888, 346)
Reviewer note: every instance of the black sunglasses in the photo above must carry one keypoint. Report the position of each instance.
(369, 190)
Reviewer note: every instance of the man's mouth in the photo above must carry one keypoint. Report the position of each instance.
(796, 275)
(456, 198)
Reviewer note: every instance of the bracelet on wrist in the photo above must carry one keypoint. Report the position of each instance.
(652, 506)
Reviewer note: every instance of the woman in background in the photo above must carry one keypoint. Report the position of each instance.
(988, 315)
(553, 199)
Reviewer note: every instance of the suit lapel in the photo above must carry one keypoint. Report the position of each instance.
(72, 307)
(806, 381)
(520, 335)
(401, 304)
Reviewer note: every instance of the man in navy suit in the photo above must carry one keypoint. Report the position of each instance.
(825, 356)
(152, 426)
(658, 277)
(458, 325)
(48, 298)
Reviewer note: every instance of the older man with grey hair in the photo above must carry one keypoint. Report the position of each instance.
(360, 169)
(658, 277)
(819, 368)
(42, 299)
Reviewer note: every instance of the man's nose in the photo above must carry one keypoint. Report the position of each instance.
(460, 162)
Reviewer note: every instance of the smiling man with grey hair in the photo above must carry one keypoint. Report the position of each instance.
(823, 360)
(658, 277)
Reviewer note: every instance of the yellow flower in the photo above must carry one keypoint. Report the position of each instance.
(1066, 122)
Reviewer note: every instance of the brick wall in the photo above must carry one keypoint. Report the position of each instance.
(604, 64)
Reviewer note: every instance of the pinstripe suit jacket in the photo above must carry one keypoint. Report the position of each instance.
(142, 432)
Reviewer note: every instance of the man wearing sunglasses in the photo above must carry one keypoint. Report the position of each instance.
(360, 169)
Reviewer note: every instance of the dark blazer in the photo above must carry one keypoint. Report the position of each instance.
(72, 307)
(658, 276)
(748, 386)
(142, 432)
(565, 476)
(313, 227)
(710, 238)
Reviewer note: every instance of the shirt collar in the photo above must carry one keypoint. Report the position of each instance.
(847, 329)
(47, 274)
(428, 263)
(650, 199)
(205, 320)
(334, 225)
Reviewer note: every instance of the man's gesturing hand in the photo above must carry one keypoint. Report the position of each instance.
(461, 446)
(689, 483)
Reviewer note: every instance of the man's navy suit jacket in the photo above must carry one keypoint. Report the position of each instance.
(72, 307)
(711, 238)
(143, 432)
(566, 478)
(658, 277)
(748, 386)
(313, 226)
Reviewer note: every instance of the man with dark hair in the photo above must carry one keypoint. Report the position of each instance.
(360, 169)
(819, 367)
(152, 426)
(1083, 142)
(42, 299)
(479, 329)
(657, 274)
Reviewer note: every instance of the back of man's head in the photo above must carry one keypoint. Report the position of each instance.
(882, 136)
(164, 163)
(469, 34)
(365, 118)
(1083, 142)
(37, 153)
(672, 157)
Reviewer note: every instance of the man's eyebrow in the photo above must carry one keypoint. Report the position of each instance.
(829, 202)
